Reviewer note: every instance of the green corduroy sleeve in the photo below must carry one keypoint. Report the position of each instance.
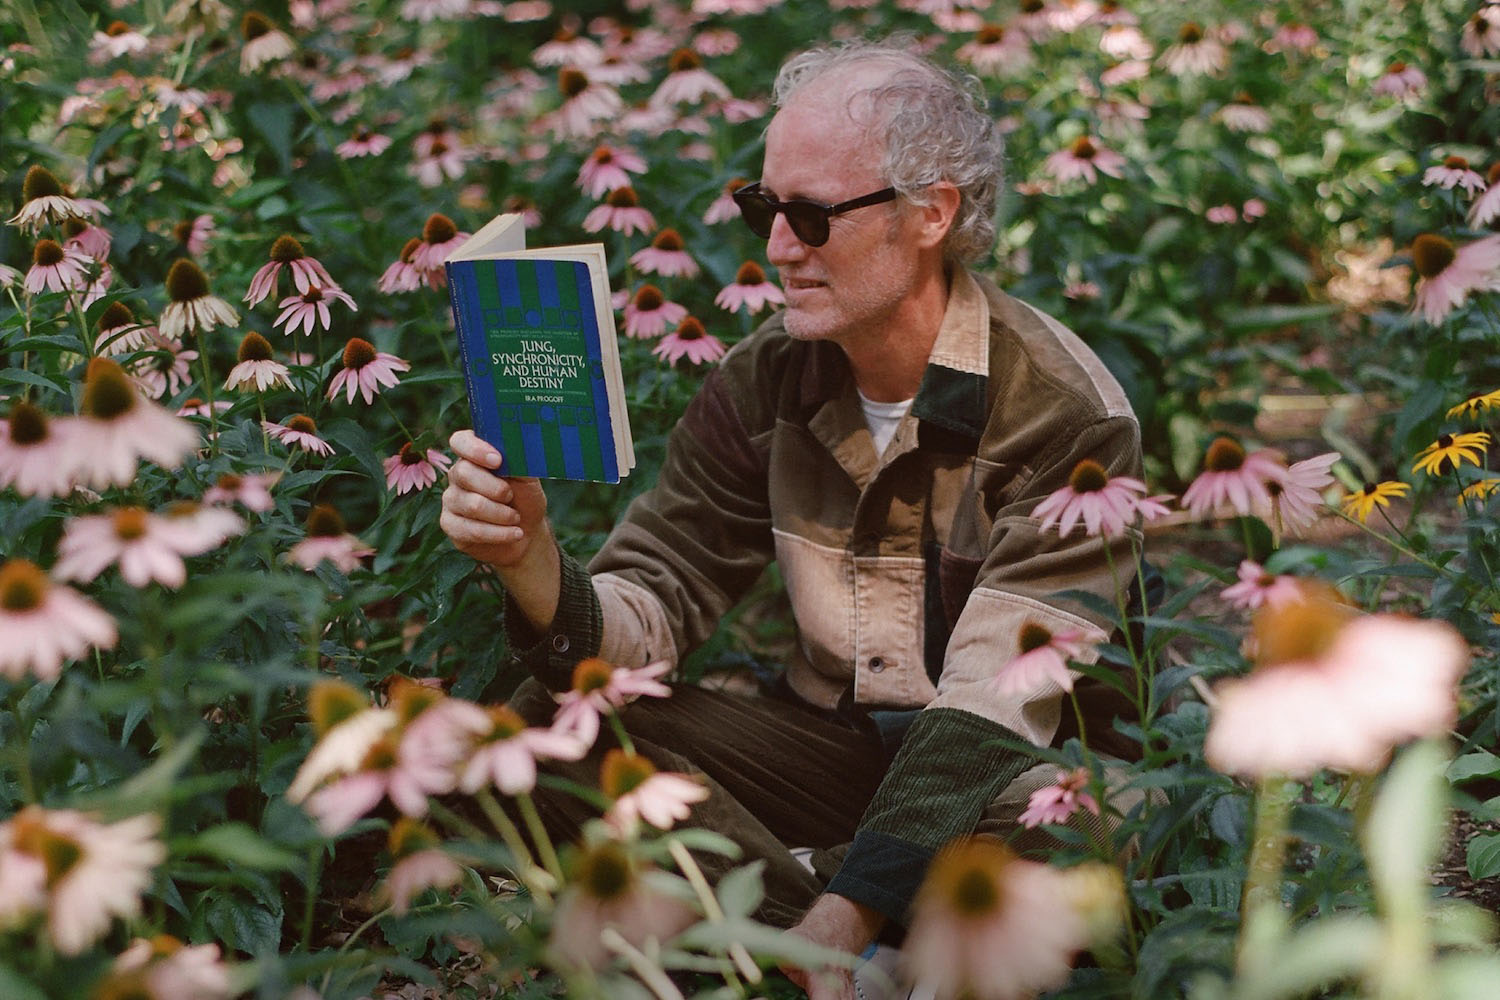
(574, 635)
(950, 766)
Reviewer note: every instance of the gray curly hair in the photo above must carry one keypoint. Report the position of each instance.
(934, 126)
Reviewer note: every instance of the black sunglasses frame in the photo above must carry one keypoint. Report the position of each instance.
(808, 218)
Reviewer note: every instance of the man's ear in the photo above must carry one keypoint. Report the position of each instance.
(934, 219)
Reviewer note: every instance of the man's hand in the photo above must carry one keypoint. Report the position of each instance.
(843, 925)
(502, 522)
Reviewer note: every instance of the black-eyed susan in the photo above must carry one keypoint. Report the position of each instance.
(1475, 403)
(1450, 451)
(1362, 503)
(1479, 490)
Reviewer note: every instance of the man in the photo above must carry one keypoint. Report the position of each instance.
(883, 439)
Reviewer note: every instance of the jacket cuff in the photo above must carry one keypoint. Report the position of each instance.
(574, 634)
(951, 765)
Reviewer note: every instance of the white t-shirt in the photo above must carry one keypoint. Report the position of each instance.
(883, 419)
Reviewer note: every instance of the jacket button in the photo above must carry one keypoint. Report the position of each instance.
(560, 643)
(876, 664)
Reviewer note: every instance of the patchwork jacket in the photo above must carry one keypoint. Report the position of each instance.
(910, 573)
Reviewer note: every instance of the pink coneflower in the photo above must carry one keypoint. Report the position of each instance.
(365, 371)
(665, 256)
(1125, 41)
(617, 71)
(584, 103)
(751, 291)
(56, 268)
(347, 727)
(1454, 171)
(264, 42)
(1243, 115)
(148, 547)
(1057, 802)
(1297, 493)
(301, 432)
(167, 969)
(45, 623)
(1222, 214)
(608, 168)
(607, 890)
(1125, 72)
(1194, 53)
(404, 276)
(195, 233)
(311, 307)
(192, 309)
(115, 41)
(328, 539)
(116, 427)
(991, 926)
(1400, 80)
(165, 369)
(197, 406)
(690, 340)
(1253, 209)
(1042, 662)
(80, 872)
(1231, 477)
(250, 489)
(1481, 33)
(506, 750)
(421, 864)
(712, 42)
(440, 162)
(95, 288)
(1331, 690)
(1446, 275)
(687, 82)
(9, 276)
(567, 48)
(410, 469)
(43, 200)
(1293, 36)
(120, 333)
(648, 313)
(1104, 506)
(723, 208)
(286, 252)
(1082, 291)
(84, 235)
(621, 212)
(1083, 160)
(995, 50)
(38, 457)
(423, 11)
(1487, 206)
(600, 687)
(363, 143)
(440, 237)
(257, 369)
(640, 792)
(1257, 587)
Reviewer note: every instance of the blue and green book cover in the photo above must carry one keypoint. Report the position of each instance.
(537, 337)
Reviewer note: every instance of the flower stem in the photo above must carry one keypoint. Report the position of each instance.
(711, 908)
(539, 835)
(650, 973)
(526, 867)
(1260, 908)
(620, 733)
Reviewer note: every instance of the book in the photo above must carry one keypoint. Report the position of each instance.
(536, 334)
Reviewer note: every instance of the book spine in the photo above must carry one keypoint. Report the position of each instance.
(464, 325)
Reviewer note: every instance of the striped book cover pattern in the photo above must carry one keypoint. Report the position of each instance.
(529, 340)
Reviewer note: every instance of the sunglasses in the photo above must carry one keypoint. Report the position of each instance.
(808, 219)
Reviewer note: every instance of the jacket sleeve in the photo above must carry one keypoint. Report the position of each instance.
(954, 760)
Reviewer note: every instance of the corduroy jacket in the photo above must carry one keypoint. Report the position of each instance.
(910, 574)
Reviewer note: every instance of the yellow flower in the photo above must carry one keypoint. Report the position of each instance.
(1450, 451)
(1478, 401)
(1479, 490)
(1362, 504)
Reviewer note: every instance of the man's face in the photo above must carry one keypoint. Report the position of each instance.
(849, 288)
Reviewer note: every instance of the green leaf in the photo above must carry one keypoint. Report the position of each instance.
(153, 786)
(238, 844)
(1484, 856)
(1480, 764)
(766, 942)
(244, 925)
(274, 123)
(24, 377)
(1267, 317)
(1405, 829)
(14, 986)
(741, 891)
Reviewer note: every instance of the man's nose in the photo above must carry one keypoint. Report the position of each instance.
(784, 247)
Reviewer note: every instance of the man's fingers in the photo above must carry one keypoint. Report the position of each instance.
(466, 531)
(477, 479)
(468, 445)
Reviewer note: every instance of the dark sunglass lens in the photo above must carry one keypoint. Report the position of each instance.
(809, 222)
(758, 214)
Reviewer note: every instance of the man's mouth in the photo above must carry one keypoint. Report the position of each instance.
(801, 284)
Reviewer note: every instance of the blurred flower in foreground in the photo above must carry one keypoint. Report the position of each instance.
(147, 546)
(640, 792)
(37, 457)
(163, 968)
(412, 469)
(299, 431)
(607, 890)
(1363, 501)
(1222, 214)
(1083, 160)
(665, 256)
(264, 42)
(45, 624)
(988, 925)
(1042, 662)
(43, 201)
(117, 426)
(1257, 587)
(620, 212)
(365, 371)
(56, 268)
(1194, 53)
(1243, 115)
(192, 309)
(310, 308)
(1453, 172)
(505, 751)
(1450, 451)
(1447, 274)
(421, 864)
(287, 252)
(599, 687)
(1481, 33)
(690, 340)
(1105, 506)
(1234, 478)
(115, 41)
(251, 489)
(80, 873)
(346, 725)
(751, 291)
(1400, 80)
(327, 538)
(1056, 802)
(607, 169)
(1332, 689)
(257, 368)
(648, 313)
(1486, 207)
